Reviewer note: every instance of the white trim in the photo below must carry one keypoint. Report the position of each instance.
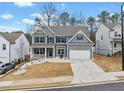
(38, 29)
(80, 32)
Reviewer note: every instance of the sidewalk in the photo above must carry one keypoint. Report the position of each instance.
(32, 82)
(116, 73)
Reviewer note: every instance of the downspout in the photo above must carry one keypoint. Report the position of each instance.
(9, 53)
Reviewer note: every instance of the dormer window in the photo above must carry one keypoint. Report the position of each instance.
(79, 37)
(116, 34)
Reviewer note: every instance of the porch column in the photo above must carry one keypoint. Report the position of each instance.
(67, 52)
(112, 48)
(92, 53)
(45, 52)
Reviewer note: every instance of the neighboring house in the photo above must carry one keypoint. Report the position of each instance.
(108, 39)
(67, 41)
(13, 46)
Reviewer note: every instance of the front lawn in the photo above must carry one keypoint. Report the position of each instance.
(108, 64)
(43, 70)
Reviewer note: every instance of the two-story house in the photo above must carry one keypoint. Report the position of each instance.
(66, 41)
(13, 46)
(108, 39)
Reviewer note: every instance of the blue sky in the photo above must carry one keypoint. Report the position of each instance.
(14, 16)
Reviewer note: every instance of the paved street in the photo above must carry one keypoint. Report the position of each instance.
(103, 87)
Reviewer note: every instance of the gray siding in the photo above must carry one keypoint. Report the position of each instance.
(84, 41)
(74, 47)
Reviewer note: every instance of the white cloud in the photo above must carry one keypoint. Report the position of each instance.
(36, 15)
(6, 16)
(4, 28)
(111, 14)
(28, 21)
(24, 4)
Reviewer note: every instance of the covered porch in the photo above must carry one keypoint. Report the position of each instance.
(43, 52)
(116, 46)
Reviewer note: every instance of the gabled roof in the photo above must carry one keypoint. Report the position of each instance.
(81, 32)
(65, 30)
(110, 25)
(11, 37)
(68, 30)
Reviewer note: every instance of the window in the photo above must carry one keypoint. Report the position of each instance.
(39, 39)
(36, 39)
(101, 37)
(42, 39)
(36, 51)
(115, 34)
(61, 51)
(115, 44)
(7, 64)
(50, 39)
(119, 35)
(42, 50)
(4, 46)
(79, 37)
(61, 39)
(39, 50)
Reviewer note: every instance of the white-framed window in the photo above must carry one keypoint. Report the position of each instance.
(36, 51)
(101, 37)
(42, 50)
(79, 37)
(116, 34)
(39, 50)
(39, 39)
(61, 51)
(50, 39)
(42, 39)
(4, 46)
(36, 39)
(61, 39)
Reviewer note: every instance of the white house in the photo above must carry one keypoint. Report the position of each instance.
(108, 39)
(13, 46)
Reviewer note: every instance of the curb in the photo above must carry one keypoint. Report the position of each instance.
(73, 85)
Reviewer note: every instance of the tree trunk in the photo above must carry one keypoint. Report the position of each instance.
(48, 24)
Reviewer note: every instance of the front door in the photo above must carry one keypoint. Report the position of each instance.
(49, 52)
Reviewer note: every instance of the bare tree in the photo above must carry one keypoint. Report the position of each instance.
(29, 30)
(49, 9)
(80, 19)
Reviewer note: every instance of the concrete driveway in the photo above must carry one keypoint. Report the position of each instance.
(86, 71)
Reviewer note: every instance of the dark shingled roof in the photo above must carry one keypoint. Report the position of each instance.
(11, 37)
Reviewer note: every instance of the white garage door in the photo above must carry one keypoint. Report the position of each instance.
(79, 54)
